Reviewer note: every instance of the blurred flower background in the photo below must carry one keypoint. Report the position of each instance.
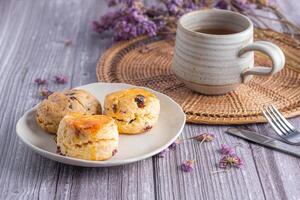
(131, 18)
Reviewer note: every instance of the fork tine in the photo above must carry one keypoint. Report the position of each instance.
(277, 124)
(287, 123)
(277, 130)
(279, 120)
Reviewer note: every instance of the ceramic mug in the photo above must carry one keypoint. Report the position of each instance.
(216, 64)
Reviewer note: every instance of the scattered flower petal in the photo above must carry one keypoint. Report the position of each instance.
(205, 137)
(163, 153)
(60, 79)
(45, 92)
(174, 144)
(229, 161)
(40, 81)
(188, 165)
(226, 150)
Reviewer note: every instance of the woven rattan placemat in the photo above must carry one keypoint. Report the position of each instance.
(146, 62)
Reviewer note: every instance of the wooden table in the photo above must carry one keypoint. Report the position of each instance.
(32, 35)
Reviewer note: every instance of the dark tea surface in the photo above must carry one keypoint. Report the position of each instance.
(216, 31)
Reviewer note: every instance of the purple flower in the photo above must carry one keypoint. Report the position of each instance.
(60, 79)
(226, 150)
(229, 161)
(174, 144)
(131, 18)
(96, 26)
(107, 21)
(174, 7)
(163, 153)
(45, 92)
(187, 166)
(127, 22)
(222, 5)
(40, 81)
(241, 5)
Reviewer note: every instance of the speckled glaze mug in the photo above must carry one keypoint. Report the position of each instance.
(216, 64)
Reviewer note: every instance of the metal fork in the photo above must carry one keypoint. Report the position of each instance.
(281, 126)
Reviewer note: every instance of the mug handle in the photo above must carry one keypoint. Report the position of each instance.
(272, 50)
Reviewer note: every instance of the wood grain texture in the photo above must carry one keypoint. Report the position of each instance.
(31, 45)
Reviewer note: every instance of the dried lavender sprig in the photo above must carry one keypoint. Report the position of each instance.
(60, 79)
(229, 161)
(40, 81)
(204, 137)
(132, 19)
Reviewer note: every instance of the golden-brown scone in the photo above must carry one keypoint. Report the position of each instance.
(135, 110)
(89, 137)
(51, 110)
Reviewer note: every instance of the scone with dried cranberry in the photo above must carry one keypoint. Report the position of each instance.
(135, 110)
(51, 110)
(89, 137)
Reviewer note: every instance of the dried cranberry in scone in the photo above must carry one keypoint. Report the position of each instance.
(137, 110)
(140, 101)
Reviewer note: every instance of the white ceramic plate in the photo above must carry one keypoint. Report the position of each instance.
(132, 148)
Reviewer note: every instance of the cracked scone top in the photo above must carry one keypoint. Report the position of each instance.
(89, 137)
(51, 110)
(135, 110)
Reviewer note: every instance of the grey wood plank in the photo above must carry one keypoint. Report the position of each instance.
(278, 172)
(267, 174)
(35, 49)
(201, 183)
(31, 46)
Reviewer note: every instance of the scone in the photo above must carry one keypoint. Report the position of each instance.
(89, 137)
(50, 111)
(135, 110)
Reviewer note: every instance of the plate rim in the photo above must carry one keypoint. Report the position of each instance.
(106, 163)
